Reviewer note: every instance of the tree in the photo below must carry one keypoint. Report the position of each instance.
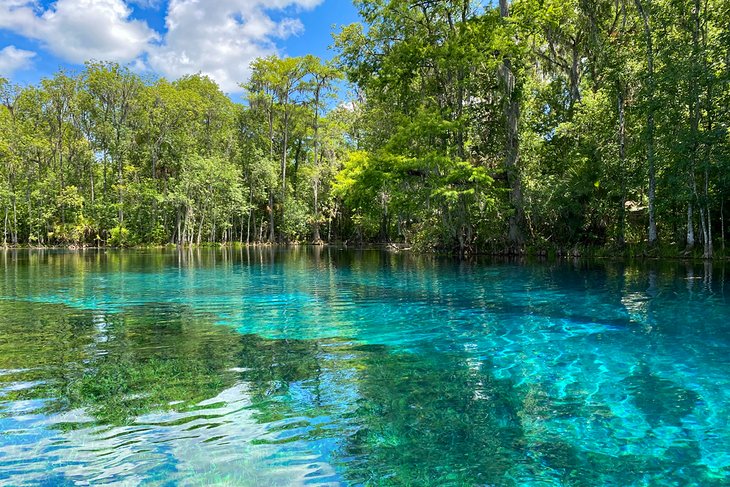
(323, 77)
(113, 90)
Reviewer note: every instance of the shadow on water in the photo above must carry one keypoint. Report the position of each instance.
(440, 373)
(662, 401)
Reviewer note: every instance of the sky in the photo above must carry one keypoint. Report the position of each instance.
(167, 38)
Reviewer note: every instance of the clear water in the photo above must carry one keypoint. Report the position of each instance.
(326, 367)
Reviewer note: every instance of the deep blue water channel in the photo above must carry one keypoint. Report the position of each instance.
(330, 367)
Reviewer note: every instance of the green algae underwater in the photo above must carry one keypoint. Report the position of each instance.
(315, 366)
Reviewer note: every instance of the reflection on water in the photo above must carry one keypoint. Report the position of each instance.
(326, 367)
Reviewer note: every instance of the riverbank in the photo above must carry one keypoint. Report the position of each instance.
(629, 252)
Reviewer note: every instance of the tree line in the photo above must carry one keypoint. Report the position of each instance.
(471, 126)
(104, 157)
(541, 123)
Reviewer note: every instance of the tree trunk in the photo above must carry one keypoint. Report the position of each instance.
(295, 175)
(5, 227)
(120, 194)
(690, 228)
(315, 231)
(705, 233)
(653, 237)
(177, 237)
(104, 162)
(272, 236)
(695, 115)
(14, 231)
(512, 116)
(284, 155)
(316, 237)
(91, 178)
(200, 228)
(722, 224)
(709, 250)
(622, 159)
(248, 228)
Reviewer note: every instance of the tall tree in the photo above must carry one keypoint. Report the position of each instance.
(512, 149)
(323, 77)
(645, 14)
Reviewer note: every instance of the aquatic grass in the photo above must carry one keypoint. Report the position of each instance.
(372, 369)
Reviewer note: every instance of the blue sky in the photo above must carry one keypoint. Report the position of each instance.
(163, 37)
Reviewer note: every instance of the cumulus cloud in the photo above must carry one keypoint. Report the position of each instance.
(79, 30)
(218, 38)
(221, 38)
(13, 59)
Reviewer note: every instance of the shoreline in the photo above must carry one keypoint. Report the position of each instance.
(590, 253)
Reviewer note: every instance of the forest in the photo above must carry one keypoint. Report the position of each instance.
(531, 126)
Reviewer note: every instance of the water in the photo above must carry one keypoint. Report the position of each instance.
(327, 367)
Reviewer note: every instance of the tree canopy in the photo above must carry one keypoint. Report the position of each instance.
(531, 124)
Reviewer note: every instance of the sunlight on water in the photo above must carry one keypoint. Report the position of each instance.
(327, 367)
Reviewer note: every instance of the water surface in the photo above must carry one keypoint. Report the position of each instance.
(329, 367)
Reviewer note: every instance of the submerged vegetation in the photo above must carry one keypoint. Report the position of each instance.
(540, 125)
(317, 366)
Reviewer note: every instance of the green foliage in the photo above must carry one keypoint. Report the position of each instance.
(102, 157)
(573, 110)
(547, 124)
(297, 224)
(119, 237)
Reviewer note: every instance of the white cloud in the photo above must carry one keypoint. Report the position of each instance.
(218, 38)
(13, 59)
(221, 38)
(79, 30)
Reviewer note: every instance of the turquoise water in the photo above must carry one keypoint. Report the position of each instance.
(328, 367)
